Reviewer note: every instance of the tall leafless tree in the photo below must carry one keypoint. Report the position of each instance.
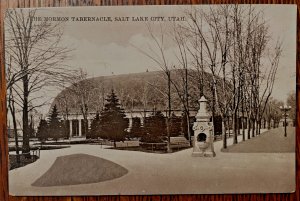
(158, 56)
(37, 60)
(84, 91)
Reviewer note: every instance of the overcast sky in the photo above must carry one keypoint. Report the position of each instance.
(103, 48)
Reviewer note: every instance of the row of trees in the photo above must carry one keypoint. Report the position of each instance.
(112, 124)
(232, 43)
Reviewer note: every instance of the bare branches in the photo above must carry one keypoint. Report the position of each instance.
(230, 41)
(34, 47)
(35, 60)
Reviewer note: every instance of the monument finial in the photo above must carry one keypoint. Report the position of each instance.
(202, 114)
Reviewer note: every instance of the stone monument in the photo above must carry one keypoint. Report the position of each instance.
(203, 132)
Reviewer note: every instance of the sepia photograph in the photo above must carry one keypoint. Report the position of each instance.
(142, 100)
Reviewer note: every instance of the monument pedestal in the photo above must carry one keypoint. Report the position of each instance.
(203, 145)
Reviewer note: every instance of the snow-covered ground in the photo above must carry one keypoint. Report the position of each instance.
(175, 173)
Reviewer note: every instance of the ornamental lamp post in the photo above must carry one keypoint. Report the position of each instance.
(285, 109)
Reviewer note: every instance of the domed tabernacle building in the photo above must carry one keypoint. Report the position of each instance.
(140, 94)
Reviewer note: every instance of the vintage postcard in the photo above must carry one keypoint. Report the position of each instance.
(151, 99)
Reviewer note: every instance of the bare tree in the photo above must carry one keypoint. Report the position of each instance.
(158, 56)
(182, 88)
(209, 40)
(84, 91)
(267, 80)
(11, 105)
(37, 60)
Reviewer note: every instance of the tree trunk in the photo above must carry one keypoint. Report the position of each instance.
(249, 127)
(235, 140)
(228, 123)
(187, 104)
(13, 114)
(213, 91)
(188, 129)
(243, 128)
(243, 121)
(258, 127)
(84, 111)
(25, 147)
(169, 138)
(253, 127)
(86, 126)
(169, 112)
(238, 126)
(224, 135)
(269, 123)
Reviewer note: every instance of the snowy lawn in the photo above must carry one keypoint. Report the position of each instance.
(177, 173)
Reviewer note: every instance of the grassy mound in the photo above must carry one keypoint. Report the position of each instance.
(80, 169)
(272, 141)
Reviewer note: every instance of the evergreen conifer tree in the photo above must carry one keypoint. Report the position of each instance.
(113, 121)
(95, 128)
(55, 128)
(42, 133)
(155, 128)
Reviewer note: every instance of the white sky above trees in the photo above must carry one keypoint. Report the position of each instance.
(105, 47)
